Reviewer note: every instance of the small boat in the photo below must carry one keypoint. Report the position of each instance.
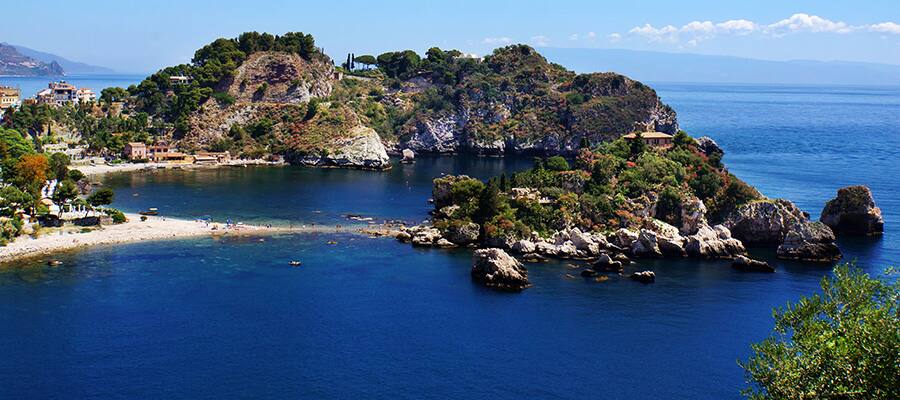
(54, 263)
(150, 211)
(332, 242)
(295, 263)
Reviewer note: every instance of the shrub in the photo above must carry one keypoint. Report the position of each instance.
(557, 163)
(118, 217)
(841, 344)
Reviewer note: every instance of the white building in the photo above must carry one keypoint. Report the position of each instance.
(64, 93)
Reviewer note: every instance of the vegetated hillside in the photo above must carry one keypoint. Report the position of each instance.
(14, 63)
(512, 101)
(258, 94)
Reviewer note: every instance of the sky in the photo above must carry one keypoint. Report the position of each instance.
(143, 36)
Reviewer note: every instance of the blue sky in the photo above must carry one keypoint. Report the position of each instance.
(142, 36)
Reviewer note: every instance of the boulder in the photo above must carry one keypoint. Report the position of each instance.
(809, 241)
(709, 146)
(444, 243)
(668, 239)
(764, 221)
(748, 264)
(586, 242)
(534, 258)
(693, 216)
(496, 269)
(607, 264)
(424, 236)
(643, 277)
(523, 246)
(853, 212)
(463, 234)
(623, 238)
(713, 242)
(408, 155)
(404, 237)
(646, 245)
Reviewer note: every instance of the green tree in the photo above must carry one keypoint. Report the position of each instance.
(102, 197)
(113, 94)
(488, 202)
(637, 145)
(12, 199)
(65, 192)
(682, 139)
(557, 163)
(59, 166)
(366, 60)
(841, 344)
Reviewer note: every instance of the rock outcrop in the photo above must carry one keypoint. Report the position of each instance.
(709, 146)
(853, 212)
(780, 223)
(713, 242)
(764, 222)
(744, 263)
(809, 241)
(496, 269)
(463, 234)
(644, 276)
(359, 148)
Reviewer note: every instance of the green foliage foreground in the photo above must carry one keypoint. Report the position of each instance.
(841, 344)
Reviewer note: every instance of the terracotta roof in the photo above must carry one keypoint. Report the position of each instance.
(649, 135)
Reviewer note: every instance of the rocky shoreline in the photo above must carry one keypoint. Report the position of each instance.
(777, 224)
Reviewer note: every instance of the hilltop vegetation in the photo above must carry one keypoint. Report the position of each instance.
(621, 184)
(257, 95)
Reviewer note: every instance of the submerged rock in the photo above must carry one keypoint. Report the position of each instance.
(748, 264)
(607, 264)
(644, 277)
(853, 212)
(496, 269)
(809, 241)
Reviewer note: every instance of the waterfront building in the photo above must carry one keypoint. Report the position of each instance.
(9, 97)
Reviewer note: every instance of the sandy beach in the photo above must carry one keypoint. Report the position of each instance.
(100, 169)
(135, 230)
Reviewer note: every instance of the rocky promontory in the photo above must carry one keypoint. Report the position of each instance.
(853, 212)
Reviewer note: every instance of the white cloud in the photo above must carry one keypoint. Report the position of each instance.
(614, 37)
(573, 37)
(694, 32)
(591, 35)
(808, 23)
(496, 40)
(886, 27)
(540, 40)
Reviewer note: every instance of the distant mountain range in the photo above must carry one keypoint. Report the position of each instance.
(22, 61)
(650, 66)
(71, 67)
(14, 63)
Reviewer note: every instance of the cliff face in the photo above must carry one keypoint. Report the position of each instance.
(14, 63)
(268, 103)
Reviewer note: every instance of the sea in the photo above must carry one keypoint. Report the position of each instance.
(373, 318)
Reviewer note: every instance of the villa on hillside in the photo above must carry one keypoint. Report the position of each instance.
(135, 151)
(655, 139)
(64, 93)
(9, 97)
(179, 80)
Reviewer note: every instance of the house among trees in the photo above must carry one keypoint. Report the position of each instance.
(179, 80)
(135, 151)
(64, 93)
(9, 97)
(655, 139)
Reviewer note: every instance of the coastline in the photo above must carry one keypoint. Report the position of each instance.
(102, 169)
(154, 229)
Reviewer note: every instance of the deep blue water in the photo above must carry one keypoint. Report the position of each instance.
(373, 318)
(30, 85)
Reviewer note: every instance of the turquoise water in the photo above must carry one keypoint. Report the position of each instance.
(374, 318)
